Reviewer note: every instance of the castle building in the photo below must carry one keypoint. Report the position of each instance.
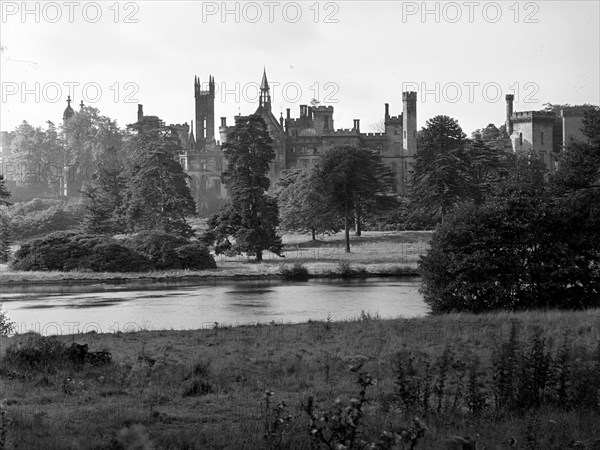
(544, 132)
(299, 142)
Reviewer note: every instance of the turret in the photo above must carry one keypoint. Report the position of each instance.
(68, 113)
(509, 110)
(409, 122)
(140, 114)
(205, 111)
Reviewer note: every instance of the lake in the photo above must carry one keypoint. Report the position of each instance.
(103, 307)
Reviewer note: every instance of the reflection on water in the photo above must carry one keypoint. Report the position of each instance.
(62, 309)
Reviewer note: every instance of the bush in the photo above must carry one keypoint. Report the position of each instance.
(47, 354)
(169, 251)
(65, 251)
(297, 272)
(39, 217)
(514, 254)
(6, 325)
(195, 256)
(115, 257)
(68, 250)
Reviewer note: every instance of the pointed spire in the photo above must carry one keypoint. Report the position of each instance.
(264, 84)
(265, 95)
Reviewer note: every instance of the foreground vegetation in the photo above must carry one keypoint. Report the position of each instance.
(504, 380)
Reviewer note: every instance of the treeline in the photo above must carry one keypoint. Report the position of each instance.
(137, 186)
(513, 236)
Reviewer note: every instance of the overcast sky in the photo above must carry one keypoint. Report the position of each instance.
(353, 55)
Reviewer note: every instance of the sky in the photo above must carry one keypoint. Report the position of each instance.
(461, 57)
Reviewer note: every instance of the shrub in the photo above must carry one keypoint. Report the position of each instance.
(6, 325)
(297, 272)
(65, 251)
(512, 254)
(159, 247)
(39, 217)
(47, 354)
(69, 250)
(195, 256)
(115, 257)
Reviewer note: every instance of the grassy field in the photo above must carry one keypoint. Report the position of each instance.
(223, 388)
(374, 253)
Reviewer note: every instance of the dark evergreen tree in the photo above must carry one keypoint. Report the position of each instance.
(437, 182)
(350, 178)
(483, 168)
(157, 194)
(5, 234)
(105, 196)
(247, 224)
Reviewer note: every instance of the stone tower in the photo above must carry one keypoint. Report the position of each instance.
(509, 110)
(205, 112)
(409, 122)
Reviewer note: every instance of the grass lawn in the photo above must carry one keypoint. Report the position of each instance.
(375, 253)
(206, 389)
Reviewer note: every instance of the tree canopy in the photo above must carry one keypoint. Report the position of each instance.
(350, 179)
(533, 244)
(248, 222)
(157, 195)
(302, 205)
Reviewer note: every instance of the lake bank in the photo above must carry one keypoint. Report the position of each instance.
(206, 388)
(233, 270)
(374, 254)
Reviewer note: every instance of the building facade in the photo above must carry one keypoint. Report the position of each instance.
(299, 142)
(544, 133)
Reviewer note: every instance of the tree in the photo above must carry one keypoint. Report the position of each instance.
(4, 194)
(350, 178)
(247, 224)
(87, 136)
(437, 183)
(526, 247)
(579, 163)
(302, 206)
(5, 232)
(105, 196)
(157, 195)
(483, 167)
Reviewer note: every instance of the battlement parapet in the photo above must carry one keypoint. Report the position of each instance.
(409, 96)
(373, 134)
(394, 119)
(322, 108)
(527, 116)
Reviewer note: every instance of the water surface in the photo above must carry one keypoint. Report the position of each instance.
(63, 309)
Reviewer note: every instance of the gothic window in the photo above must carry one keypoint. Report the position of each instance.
(397, 147)
(404, 133)
(396, 130)
(315, 150)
